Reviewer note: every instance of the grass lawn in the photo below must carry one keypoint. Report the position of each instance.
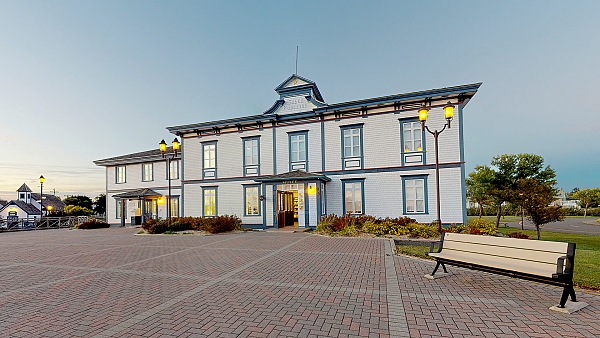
(587, 254)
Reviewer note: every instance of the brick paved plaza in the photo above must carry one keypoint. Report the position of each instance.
(108, 282)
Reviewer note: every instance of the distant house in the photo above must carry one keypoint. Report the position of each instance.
(27, 205)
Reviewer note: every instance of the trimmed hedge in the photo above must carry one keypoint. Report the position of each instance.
(349, 225)
(212, 225)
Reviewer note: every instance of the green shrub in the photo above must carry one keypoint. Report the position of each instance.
(212, 225)
(480, 226)
(93, 224)
(326, 224)
(455, 228)
(349, 231)
(155, 226)
(417, 230)
(376, 228)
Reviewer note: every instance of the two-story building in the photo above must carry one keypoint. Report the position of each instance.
(137, 186)
(304, 158)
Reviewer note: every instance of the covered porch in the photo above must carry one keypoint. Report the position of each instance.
(145, 205)
(293, 199)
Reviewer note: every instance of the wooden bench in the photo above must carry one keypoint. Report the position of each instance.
(540, 261)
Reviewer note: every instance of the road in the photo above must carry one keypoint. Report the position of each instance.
(569, 225)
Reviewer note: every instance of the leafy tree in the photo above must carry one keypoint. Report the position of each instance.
(81, 201)
(99, 205)
(479, 184)
(75, 210)
(587, 198)
(536, 197)
(509, 170)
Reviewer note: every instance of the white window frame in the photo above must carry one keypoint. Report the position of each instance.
(353, 192)
(147, 172)
(121, 174)
(209, 202)
(415, 195)
(174, 169)
(209, 159)
(251, 209)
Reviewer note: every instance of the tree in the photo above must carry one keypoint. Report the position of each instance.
(587, 198)
(536, 197)
(75, 210)
(80, 201)
(509, 170)
(478, 186)
(99, 205)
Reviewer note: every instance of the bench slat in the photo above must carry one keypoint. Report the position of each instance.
(557, 247)
(509, 252)
(533, 268)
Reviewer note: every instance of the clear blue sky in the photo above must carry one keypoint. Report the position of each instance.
(86, 80)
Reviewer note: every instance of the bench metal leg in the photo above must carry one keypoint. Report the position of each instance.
(567, 291)
(437, 266)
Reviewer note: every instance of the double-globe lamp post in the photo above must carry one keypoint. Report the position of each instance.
(163, 149)
(448, 114)
(42, 179)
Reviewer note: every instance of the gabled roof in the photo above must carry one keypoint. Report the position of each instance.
(139, 193)
(24, 188)
(50, 200)
(296, 175)
(143, 156)
(26, 207)
(305, 83)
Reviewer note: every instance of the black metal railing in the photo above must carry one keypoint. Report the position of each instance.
(17, 224)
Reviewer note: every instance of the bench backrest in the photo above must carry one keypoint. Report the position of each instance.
(524, 255)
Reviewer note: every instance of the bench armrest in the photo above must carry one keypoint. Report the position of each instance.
(432, 245)
(560, 264)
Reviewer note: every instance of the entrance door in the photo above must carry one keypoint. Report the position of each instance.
(285, 208)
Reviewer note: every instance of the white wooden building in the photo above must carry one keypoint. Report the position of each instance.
(304, 158)
(137, 187)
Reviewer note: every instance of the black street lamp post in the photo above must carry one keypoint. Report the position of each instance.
(448, 114)
(42, 179)
(163, 149)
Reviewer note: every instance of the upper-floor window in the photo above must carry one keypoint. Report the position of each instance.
(415, 194)
(120, 174)
(209, 160)
(352, 153)
(298, 150)
(413, 143)
(251, 156)
(174, 170)
(147, 174)
(353, 197)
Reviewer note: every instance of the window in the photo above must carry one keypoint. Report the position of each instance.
(251, 156)
(121, 174)
(323, 200)
(415, 194)
(251, 196)
(22, 196)
(352, 146)
(209, 162)
(298, 149)
(353, 197)
(209, 197)
(147, 174)
(120, 208)
(174, 170)
(412, 142)
(174, 206)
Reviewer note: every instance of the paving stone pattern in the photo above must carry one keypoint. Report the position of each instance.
(110, 283)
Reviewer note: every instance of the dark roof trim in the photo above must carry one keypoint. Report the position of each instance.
(469, 90)
(153, 155)
(296, 175)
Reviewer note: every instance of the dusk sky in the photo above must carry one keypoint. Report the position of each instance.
(86, 80)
